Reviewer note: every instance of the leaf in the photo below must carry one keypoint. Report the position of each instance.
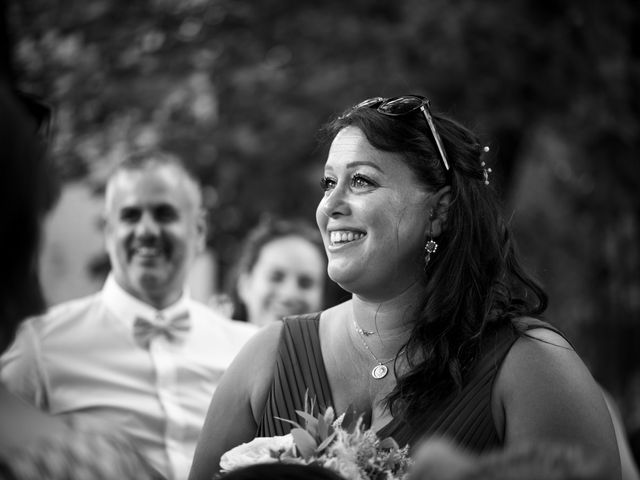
(329, 415)
(307, 416)
(305, 443)
(311, 422)
(309, 402)
(323, 428)
(326, 442)
(295, 424)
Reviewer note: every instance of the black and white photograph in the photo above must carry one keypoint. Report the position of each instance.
(342, 240)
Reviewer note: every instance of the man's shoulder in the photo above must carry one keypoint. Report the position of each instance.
(207, 317)
(64, 313)
(44, 333)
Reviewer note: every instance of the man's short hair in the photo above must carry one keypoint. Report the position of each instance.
(147, 159)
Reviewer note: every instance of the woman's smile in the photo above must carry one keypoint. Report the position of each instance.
(340, 238)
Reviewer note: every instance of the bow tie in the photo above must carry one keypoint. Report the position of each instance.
(144, 330)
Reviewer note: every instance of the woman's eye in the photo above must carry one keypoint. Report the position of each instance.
(327, 183)
(360, 181)
(276, 276)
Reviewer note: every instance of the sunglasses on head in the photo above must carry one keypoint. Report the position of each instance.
(398, 106)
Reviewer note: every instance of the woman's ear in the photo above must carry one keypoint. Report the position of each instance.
(439, 212)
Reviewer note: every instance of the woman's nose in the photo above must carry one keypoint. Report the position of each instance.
(290, 294)
(335, 203)
(289, 288)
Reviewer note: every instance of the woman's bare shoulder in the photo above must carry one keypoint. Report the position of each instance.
(545, 391)
(539, 359)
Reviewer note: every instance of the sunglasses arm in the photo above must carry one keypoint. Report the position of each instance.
(436, 136)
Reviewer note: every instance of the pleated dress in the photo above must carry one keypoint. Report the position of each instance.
(464, 416)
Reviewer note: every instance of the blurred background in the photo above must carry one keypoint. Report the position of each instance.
(240, 88)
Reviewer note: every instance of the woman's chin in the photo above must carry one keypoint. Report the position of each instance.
(342, 281)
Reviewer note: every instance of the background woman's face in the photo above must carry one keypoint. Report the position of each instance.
(287, 279)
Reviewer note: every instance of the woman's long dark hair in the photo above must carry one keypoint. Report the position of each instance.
(475, 281)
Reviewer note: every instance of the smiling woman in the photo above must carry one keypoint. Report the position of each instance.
(280, 271)
(440, 336)
(372, 218)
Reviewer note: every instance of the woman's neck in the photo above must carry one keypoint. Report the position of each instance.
(390, 318)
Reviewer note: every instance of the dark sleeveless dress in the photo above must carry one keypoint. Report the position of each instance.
(464, 417)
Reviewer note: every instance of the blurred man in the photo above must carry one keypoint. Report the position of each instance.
(138, 356)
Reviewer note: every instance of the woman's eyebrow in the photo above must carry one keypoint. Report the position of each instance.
(358, 163)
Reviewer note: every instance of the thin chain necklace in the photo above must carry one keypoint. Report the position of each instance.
(380, 370)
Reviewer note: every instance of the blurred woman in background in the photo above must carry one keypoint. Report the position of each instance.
(280, 272)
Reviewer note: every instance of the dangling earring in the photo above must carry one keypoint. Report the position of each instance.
(430, 247)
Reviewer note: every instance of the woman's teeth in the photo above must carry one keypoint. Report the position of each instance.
(345, 236)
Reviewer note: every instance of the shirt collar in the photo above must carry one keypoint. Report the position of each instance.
(127, 307)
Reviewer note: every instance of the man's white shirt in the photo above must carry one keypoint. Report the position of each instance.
(81, 360)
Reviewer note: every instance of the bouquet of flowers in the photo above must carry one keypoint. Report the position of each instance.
(342, 445)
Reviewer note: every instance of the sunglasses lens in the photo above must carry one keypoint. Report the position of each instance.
(369, 102)
(401, 105)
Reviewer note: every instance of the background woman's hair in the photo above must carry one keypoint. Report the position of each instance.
(270, 228)
(475, 280)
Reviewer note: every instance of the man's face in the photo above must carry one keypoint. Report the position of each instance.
(154, 229)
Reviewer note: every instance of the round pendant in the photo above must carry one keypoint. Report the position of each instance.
(379, 371)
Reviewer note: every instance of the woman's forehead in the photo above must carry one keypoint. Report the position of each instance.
(349, 142)
(351, 150)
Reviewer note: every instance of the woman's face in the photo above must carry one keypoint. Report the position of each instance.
(374, 218)
(287, 279)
